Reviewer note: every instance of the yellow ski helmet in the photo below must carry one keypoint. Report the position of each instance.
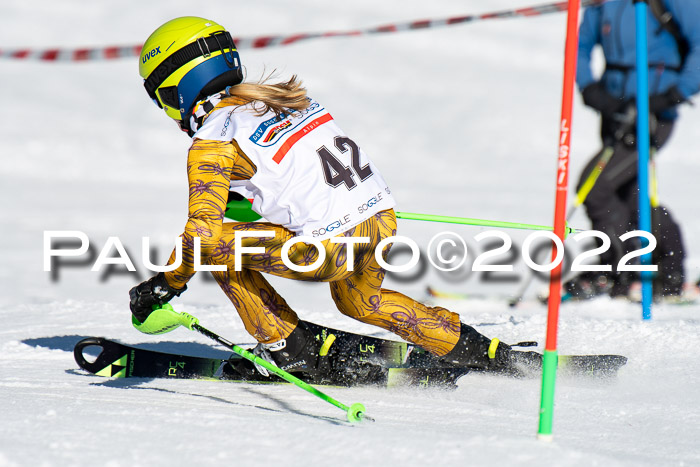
(184, 61)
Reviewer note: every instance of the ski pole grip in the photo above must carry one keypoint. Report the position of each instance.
(164, 319)
(188, 320)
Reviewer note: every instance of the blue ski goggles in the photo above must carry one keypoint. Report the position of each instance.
(197, 84)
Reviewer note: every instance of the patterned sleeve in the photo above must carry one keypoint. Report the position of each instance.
(209, 168)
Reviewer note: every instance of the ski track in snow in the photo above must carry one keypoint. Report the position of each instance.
(58, 415)
(461, 121)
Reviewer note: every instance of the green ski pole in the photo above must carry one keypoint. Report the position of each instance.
(355, 412)
(479, 222)
(165, 319)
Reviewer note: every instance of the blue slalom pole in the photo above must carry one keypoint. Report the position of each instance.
(641, 8)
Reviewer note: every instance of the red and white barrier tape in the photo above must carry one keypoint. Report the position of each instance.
(73, 55)
(113, 52)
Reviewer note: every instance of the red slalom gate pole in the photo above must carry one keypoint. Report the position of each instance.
(550, 357)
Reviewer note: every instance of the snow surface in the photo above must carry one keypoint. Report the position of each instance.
(461, 120)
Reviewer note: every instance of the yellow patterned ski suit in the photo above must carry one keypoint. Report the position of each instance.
(265, 314)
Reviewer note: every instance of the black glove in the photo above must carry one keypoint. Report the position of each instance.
(622, 126)
(660, 102)
(595, 95)
(154, 291)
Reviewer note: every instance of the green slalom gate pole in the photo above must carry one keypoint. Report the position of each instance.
(166, 319)
(479, 222)
(551, 357)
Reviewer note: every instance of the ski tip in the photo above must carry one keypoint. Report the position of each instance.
(89, 364)
(592, 365)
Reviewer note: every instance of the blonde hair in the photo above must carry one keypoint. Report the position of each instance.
(279, 98)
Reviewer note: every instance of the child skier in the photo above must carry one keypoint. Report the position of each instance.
(275, 145)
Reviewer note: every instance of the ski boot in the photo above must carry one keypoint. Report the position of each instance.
(668, 285)
(300, 354)
(474, 350)
(669, 294)
(588, 285)
(321, 358)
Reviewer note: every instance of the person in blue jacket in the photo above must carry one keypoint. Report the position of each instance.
(674, 76)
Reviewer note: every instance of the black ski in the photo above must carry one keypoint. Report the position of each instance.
(117, 360)
(353, 360)
(529, 364)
